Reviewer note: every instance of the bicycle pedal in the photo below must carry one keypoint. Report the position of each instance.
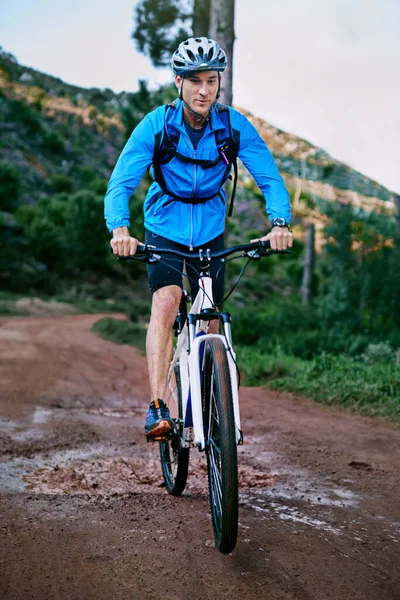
(159, 438)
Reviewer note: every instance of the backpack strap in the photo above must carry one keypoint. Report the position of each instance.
(229, 148)
(166, 148)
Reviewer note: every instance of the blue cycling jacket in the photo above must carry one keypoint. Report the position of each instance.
(189, 224)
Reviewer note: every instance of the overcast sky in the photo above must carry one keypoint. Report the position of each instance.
(326, 70)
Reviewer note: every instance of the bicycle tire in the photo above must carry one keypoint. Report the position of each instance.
(221, 447)
(174, 458)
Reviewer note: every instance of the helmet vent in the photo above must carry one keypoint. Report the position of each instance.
(196, 54)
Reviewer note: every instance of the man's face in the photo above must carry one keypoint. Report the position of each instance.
(199, 90)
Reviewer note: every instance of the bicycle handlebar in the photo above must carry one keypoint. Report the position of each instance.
(151, 254)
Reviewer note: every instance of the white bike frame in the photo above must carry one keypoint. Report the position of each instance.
(187, 354)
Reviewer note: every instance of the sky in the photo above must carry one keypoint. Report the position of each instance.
(326, 70)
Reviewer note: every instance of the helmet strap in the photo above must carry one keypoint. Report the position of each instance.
(219, 87)
(186, 105)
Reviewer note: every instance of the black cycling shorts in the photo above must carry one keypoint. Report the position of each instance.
(168, 271)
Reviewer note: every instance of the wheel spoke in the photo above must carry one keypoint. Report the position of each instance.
(221, 445)
(174, 458)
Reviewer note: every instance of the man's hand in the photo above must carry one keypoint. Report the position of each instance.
(280, 238)
(123, 244)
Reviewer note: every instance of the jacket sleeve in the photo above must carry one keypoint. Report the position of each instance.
(256, 157)
(132, 163)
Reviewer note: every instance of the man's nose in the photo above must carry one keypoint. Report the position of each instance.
(204, 89)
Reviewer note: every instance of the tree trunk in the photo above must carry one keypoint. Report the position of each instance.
(222, 18)
(201, 18)
(306, 288)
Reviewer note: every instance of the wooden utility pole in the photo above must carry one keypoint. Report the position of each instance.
(222, 19)
(306, 288)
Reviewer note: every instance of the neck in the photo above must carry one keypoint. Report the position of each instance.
(194, 119)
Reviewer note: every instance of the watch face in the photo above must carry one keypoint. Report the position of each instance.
(279, 222)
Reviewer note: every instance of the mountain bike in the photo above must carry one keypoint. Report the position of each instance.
(202, 392)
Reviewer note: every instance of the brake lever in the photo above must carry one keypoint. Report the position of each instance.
(142, 255)
(258, 253)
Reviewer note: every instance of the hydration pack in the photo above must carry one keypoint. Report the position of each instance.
(227, 141)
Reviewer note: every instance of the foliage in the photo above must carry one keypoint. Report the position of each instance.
(98, 186)
(142, 102)
(27, 115)
(54, 142)
(121, 332)
(160, 26)
(371, 389)
(61, 183)
(85, 233)
(10, 186)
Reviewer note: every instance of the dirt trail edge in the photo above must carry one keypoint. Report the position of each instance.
(85, 516)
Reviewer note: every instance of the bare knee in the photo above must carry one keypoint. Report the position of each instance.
(166, 303)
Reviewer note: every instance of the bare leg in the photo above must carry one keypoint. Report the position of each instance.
(159, 337)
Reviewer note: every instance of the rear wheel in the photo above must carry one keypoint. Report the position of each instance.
(219, 424)
(175, 458)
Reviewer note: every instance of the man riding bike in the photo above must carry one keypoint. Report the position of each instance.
(191, 144)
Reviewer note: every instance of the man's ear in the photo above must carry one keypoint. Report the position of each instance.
(178, 81)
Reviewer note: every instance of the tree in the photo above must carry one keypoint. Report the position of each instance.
(138, 104)
(222, 17)
(10, 186)
(162, 24)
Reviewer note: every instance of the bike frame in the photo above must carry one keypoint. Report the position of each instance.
(189, 352)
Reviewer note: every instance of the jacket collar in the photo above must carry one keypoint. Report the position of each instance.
(176, 118)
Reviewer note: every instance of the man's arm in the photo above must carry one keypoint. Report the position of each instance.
(259, 161)
(135, 158)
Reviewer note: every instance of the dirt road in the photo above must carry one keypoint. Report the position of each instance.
(84, 514)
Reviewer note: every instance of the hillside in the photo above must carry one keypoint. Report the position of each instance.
(49, 127)
(58, 145)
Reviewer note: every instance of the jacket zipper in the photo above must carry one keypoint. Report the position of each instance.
(191, 228)
(191, 206)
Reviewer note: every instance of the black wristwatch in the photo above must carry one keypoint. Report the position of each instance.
(280, 222)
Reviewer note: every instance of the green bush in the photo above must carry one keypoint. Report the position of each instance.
(23, 113)
(98, 186)
(61, 183)
(88, 238)
(86, 175)
(371, 389)
(37, 94)
(54, 142)
(380, 352)
(10, 186)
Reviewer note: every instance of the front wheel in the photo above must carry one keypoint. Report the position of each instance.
(174, 458)
(219, 424)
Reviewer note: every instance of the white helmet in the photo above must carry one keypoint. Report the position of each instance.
(198, 54)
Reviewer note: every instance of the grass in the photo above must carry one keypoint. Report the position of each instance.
(121, 332)
(82, 305)
(366, 388)
(7, 305)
